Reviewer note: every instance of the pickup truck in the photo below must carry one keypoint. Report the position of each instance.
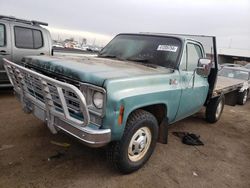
(126, 97)
(18, 38)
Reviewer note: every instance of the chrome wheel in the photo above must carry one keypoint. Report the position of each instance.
(139, 144)
(218, 110)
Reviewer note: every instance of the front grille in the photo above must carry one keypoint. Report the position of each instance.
(34, 88)
(53, 95)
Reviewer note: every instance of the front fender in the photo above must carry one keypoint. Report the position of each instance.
(138, 93)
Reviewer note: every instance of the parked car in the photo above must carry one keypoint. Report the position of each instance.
(247, 66)
(19, 38)
(229, 65)
(124, 98)
(239, 73)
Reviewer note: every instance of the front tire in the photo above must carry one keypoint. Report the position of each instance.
(242, 99)
(137, 144)
(214, 109)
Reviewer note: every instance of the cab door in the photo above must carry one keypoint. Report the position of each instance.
(28, 40)
(5, 51)
(194, 87)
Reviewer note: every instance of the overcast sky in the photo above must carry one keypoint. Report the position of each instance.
(229, 20)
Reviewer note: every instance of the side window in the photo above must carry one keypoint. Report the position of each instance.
(2, 35)
(193, 55)
(23, 37)
(38, 39)
(183, 65)
(28, 38)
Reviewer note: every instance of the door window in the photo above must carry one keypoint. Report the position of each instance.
(28, 38)
(38, 39)
(183, 65)
(2, 35)
(193, 55)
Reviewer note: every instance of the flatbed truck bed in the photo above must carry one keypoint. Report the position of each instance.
(229, 87)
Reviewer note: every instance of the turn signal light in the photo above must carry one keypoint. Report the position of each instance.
(121, 113)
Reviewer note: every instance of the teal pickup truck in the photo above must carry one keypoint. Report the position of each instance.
(125, 97)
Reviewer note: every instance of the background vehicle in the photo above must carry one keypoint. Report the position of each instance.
(229, 65)
(125, 97)
(238, 73)
(19, 38)
(247, 66)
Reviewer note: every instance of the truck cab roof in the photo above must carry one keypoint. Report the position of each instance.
(180, 36)
(28, 22)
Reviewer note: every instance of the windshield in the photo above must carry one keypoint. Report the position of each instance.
(154, 50)
(231, 73)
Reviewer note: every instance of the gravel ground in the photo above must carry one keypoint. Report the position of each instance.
(25, 146)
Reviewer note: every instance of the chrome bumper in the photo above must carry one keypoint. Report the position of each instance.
(61, 105)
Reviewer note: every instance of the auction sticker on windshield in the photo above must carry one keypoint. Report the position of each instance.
(168, 48)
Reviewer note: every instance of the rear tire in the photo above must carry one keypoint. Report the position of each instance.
(137, 144)
(242, 99)
(214, 109)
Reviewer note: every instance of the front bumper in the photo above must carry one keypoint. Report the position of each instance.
(56, 103)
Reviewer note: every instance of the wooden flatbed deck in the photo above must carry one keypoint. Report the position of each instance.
(225, 85)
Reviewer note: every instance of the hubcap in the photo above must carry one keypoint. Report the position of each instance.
(139, 144)
(218, 110)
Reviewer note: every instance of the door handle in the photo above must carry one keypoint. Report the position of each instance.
(41, 53)
(3, 52)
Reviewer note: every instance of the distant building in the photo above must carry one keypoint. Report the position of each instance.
(230, 55)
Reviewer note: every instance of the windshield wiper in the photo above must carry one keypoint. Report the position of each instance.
(108, 56)
(138, 60)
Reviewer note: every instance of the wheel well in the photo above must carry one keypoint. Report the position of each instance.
(158, 110)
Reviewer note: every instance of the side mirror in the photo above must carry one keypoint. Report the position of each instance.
(204, 67)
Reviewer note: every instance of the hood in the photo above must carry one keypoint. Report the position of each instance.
(91, 69)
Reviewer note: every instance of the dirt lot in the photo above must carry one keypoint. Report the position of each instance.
(224, 161)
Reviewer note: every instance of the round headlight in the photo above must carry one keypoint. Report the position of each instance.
(98, 99)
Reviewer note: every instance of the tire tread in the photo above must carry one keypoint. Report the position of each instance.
(211, 109)
(113, 150)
